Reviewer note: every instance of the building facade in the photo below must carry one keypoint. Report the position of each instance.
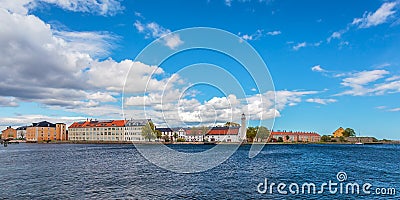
(338, 133)
(21, 132)
(223, 134)
(133, 129)
(9, 133)
(294, 136)
(46, 131)
(105, 130)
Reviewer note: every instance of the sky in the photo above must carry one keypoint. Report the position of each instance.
(328, 64)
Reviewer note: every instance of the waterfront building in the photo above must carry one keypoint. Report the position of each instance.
(9, 133)
(166, 132)
(93, 130)
(21, 132)
(338, 133)
(133, 129)
(194, 135)
(180, 132)
(46, 131)
(294, 136)
(224, 134)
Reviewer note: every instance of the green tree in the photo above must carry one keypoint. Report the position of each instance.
(148, 131)
(325, 138)
(229, 124)
(348, 132)
(262, 133)
(158, 134)
(280, 139)
(175, 136)
(287, 138)
(251, 133)
(166, 138)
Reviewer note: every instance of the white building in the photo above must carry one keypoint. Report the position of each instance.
(107, 130)
(133, 129)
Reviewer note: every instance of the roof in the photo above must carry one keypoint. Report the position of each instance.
(43, 124)
(103, 123)
(164, 129)
(22, 128)
(294, 133)
(224, 130)
(137, 122)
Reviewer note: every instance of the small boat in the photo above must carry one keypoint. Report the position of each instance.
(359, 141)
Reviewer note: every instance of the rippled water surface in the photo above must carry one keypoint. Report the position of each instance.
(79, 171)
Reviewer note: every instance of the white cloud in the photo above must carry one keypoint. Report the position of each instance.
(299, 46)
(154, 30)
(228, 2)
(259, 33)
(99, 7)
(318, 68)
(96, 44)
(274, 33)
(57, 68)
(321, 101)
(365, 83)
(180, 111)
(395, 110)
(380, 16)
(335, 35)
(8, 102)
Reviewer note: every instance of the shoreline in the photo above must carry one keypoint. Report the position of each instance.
(201, 143)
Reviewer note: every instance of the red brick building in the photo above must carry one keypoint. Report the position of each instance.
(294, 136)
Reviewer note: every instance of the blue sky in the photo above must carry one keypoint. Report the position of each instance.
(333, 63)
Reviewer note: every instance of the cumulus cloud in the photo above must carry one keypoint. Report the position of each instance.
(59, 68)
(183, 111)
(154, 30)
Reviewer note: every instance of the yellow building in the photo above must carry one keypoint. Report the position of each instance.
(46, 131)
(338, 132)
(9, 133)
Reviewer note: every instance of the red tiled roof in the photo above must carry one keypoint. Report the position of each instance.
(215, 131)
(295, 133)
(88, 124)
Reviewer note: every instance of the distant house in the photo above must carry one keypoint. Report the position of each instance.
(223, 134)
(338, 133)
(9, 133)
(46, 131)
(294, 136)
(166, 132)
(180, 132)
(194, 135)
